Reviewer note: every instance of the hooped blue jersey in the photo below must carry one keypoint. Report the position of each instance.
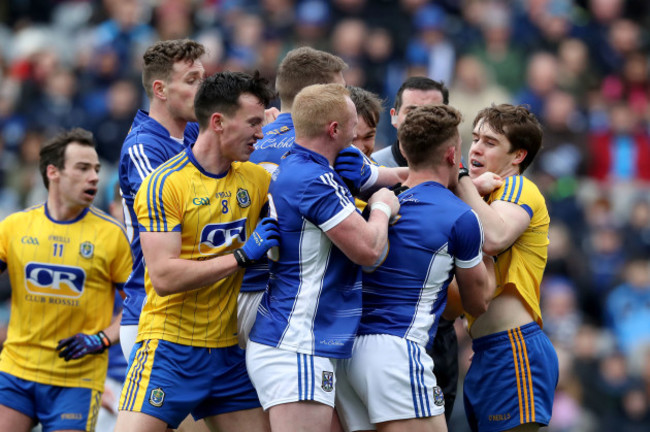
(434, 232)
(146, 147)
(313, 301)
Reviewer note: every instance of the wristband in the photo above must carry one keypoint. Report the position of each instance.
(241, 258)
(106, 342)
(462, 172)
(385, 208)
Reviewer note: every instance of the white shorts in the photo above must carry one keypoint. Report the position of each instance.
(128, 335)
(388, 378)
(247, 303)
(281, 376)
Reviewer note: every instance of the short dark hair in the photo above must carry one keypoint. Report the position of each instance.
(220, 93)
(53, 152)
(368, 105)
(305, 66)
(160, 57)
(425, 129)
(518, 124)
(421, 83)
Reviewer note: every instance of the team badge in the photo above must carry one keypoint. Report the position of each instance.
(86, 249)
(328, 381)
(243, 199)
(157, 397)
(438, 397)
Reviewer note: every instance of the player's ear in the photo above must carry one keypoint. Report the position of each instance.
(520, 155)
(159, 89)
(216, 122)
(393, 117)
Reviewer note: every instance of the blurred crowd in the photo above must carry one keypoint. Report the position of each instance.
(583, 67)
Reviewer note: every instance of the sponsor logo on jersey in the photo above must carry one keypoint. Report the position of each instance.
(215, 236)
(438, 396)
(86, 249)
(157, 397)
(328, 381)
(54, 280)
(202, 201)
(29, 240)
(243, 199)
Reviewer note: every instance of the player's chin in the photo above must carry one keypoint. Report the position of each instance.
(476, 171)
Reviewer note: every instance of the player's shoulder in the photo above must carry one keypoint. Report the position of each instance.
(107, 221)
(20, 217)
(516, 188)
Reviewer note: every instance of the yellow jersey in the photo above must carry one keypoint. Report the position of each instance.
(522, 265)
(63, 277)
(215, 214)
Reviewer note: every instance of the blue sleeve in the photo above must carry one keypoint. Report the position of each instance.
(326, 201)
(138, 161)
(467, 238)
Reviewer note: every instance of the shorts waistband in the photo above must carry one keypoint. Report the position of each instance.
(503, 337)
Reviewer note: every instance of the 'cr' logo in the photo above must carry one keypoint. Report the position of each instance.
(54, 280)
(215, 236)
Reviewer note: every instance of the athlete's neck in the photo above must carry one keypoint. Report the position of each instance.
(60, 211)
(174, 125)
(435, 174)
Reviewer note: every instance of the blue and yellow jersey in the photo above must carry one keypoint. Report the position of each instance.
(63, 277)
(522, 265)
(214, 214)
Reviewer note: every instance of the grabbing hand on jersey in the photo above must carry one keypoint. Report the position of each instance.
(487, 182)
(351, 165)
(265, 236)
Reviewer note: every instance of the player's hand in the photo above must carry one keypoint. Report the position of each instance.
(487, 182)
(265, 236)
(353, 169)
(387, 197)
(270, 114)
(77, 346)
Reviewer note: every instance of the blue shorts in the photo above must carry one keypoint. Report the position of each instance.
(168, 381)
(511, 380)
(56, 408)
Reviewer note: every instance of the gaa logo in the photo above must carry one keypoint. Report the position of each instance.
(215, 236)
(54, 280)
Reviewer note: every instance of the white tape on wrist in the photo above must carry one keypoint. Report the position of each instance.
(382, 207)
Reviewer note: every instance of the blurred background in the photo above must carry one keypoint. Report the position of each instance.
(582, 67)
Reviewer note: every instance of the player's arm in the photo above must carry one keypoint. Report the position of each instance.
(171, 274)
(503, 222)
(364, 243)
(474, 288)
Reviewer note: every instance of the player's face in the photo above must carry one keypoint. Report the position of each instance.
(77, 181)
(365, 140)
(183, 83)
(413, 98)
(242, 130)
(349, 126)
(490, 151)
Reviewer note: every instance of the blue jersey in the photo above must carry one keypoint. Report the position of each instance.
(147, 146)
(313, 301)
(434, 232)
(278, 140)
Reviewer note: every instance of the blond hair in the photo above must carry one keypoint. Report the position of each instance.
(318, 105)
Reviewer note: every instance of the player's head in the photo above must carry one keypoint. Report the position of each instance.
(231, 104)
(304, 66)
(325, 110)
(171, 74)
(369, 108)
(429, 136)
(70, 161)
(417, 91)
(505, 140)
